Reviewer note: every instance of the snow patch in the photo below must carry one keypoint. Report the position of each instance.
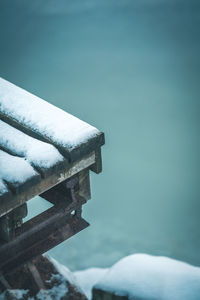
(64, 271)
(57, 292)
(42, 117)
(150, 277)
(38, 153)
(14, 169)
(88, 278)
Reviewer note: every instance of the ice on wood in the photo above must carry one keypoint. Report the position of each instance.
(38, 153)
(150, 277)
(15, 169)
(58, 126)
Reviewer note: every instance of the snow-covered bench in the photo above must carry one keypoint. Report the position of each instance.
(43, 151)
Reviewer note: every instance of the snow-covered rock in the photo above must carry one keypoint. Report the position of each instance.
(144, 277)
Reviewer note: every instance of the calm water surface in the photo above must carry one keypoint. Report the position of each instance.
(132, 69)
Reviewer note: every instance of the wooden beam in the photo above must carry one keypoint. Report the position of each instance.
(17, 199)
(39, 235)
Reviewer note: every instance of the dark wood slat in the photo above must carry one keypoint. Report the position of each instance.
(23, 250)
(84, 184)
(11, 221)
(97, 167)
(72, 154)
(61, 192)
(42, 232)
(9, 202)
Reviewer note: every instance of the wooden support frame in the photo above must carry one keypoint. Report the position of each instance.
(45, 231)
(51, 154)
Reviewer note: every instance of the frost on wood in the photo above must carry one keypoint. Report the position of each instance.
(149, 277)
(15, 169)
(39, 154)
(60, 127)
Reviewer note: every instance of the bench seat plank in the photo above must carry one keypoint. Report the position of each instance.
(17, 172)
(44, 157)
(16, 199)
(73, 137)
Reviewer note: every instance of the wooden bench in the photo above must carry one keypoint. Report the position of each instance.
(48, 152)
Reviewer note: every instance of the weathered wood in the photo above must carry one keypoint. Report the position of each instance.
(72, 154)
(39, 235)
(22, 249)
(8, 204)
(61, 190)
(11, 221)
(78, 139)
(97, 167)
(43, 157)
(84, 184)
(43, 151)
(44, 231)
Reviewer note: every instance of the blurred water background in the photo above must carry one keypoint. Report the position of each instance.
(132, 69)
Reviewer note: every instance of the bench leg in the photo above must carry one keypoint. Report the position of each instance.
(11, 221)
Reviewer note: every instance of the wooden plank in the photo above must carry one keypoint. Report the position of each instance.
(11, 221)
(43, 157)
(21, 250)
(73, 137)
(17, 173)
(8, 204)
(61, 191)
(42, 232)
(97, 167)
(84, 184)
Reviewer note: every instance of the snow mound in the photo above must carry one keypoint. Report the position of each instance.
(151, 277)
(88, 278)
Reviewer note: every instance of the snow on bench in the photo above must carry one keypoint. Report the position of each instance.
(15, 170)
(39, 154)
(40, 146)
(73, 137)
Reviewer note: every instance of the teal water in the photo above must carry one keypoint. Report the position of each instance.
(132, 69)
